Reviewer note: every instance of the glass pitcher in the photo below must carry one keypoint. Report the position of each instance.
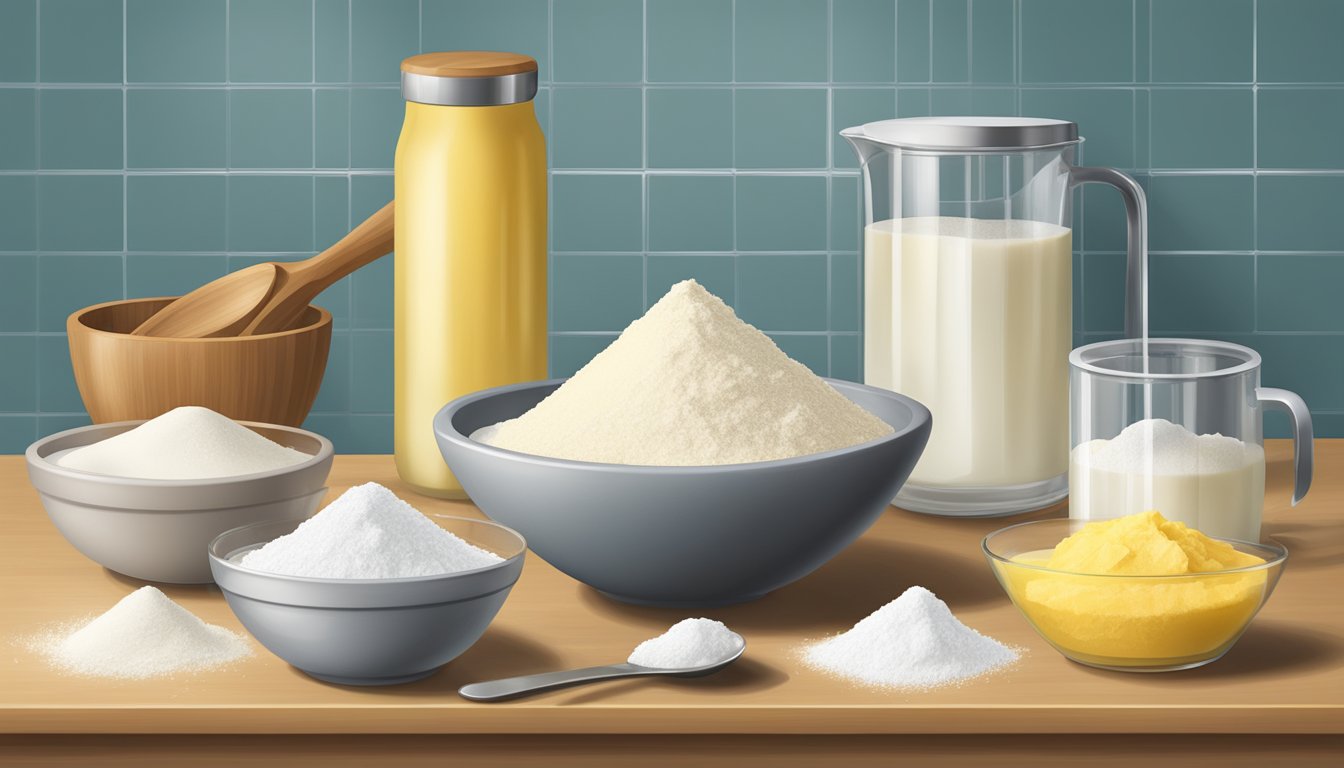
(968, 296)
(1178, 430)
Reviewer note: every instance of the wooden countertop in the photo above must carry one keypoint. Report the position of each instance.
(1285, 676)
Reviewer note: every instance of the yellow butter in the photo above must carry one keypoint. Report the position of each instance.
(1145, 544)
(1149, 596)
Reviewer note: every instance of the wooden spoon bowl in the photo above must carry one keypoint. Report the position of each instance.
(271, 378)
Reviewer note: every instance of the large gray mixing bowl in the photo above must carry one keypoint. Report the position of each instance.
(685, 536)
(158, 530)
(368, 631)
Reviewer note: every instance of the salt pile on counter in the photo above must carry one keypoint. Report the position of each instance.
(186, 443)
(689, 643)
(368, 533)
(144, 635)
(688, 384)
(912, 642)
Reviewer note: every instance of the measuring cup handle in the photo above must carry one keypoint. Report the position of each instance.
(1136, 269)
(1303, 447)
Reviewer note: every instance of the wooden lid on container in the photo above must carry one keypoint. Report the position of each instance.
(469, 64)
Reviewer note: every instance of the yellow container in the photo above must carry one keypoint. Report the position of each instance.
(470, 264)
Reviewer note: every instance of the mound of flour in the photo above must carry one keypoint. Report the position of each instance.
(186, 443)
(688, 384)
(144, 635)
(368, 533)
(912, 642)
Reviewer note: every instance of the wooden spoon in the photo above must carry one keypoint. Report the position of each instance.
(270, 297)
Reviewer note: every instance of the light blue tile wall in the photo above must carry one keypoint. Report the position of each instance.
(149, 145)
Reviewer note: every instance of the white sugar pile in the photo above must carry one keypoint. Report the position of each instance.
(368, 533)
(144, 635)
(688, 643)
(1160, 447)
(912, 642)
(688, 384)
(186, 443)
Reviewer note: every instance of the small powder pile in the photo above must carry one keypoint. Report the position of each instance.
(688, 384)
(912, 642)
(368, 533)
(1160, 447)
(688, 644)
(186, 443)
(144, 635)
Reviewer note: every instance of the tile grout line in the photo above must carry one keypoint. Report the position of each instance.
(829, 144)
(550, 180)
(645, 184)
(125, 164)
(37, 216)
(1255, 163)
(732, 126)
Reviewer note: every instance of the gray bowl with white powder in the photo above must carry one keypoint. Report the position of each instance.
(158, 530)
(683, 536)
(368, 631)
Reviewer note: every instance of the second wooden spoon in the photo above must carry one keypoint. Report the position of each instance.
(270, 297)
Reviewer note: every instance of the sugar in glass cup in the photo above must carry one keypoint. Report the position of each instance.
(1176, 425)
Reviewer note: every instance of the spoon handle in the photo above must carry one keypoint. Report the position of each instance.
(512, 687)
(300, 282)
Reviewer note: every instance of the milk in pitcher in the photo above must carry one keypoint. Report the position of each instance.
(973, 318)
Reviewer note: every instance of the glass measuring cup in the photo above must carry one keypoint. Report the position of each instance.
(968, 296)
(1179, 431)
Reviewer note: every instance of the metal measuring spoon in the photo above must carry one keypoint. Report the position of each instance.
(513, 687)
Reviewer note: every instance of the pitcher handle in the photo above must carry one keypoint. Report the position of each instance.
(1303, 448)
(1136, 267)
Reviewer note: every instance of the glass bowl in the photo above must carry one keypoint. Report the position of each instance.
(1129, 623)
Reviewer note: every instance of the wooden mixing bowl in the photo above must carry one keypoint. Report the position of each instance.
(272, 378)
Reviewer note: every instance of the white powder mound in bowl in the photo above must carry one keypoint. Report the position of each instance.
(1160, 447)
(688, 644)
(688, 384)
(368, 533)
(144, 635)
(912, 642)
(186, 443)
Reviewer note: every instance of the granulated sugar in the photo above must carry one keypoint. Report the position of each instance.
(146, 634)
(912, 642)
(688, 384)
(186, 443)
(368, 533)
(1213, 483)
(689, 643)
(1157, 446)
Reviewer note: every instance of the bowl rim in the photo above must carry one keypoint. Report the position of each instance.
(325, 451)
(76, 320)
(920, 417)
(1278, 551)
(227, 563)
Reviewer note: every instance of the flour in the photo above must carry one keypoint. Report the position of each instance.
(186, 443)
(689, 643)
(912, 642)
(688, 384)
(144, 635)
(368, 533)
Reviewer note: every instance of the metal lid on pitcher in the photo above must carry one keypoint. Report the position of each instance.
(469, 78)
(968, 134)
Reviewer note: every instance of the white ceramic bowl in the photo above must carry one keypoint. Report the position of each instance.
(159, 530)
